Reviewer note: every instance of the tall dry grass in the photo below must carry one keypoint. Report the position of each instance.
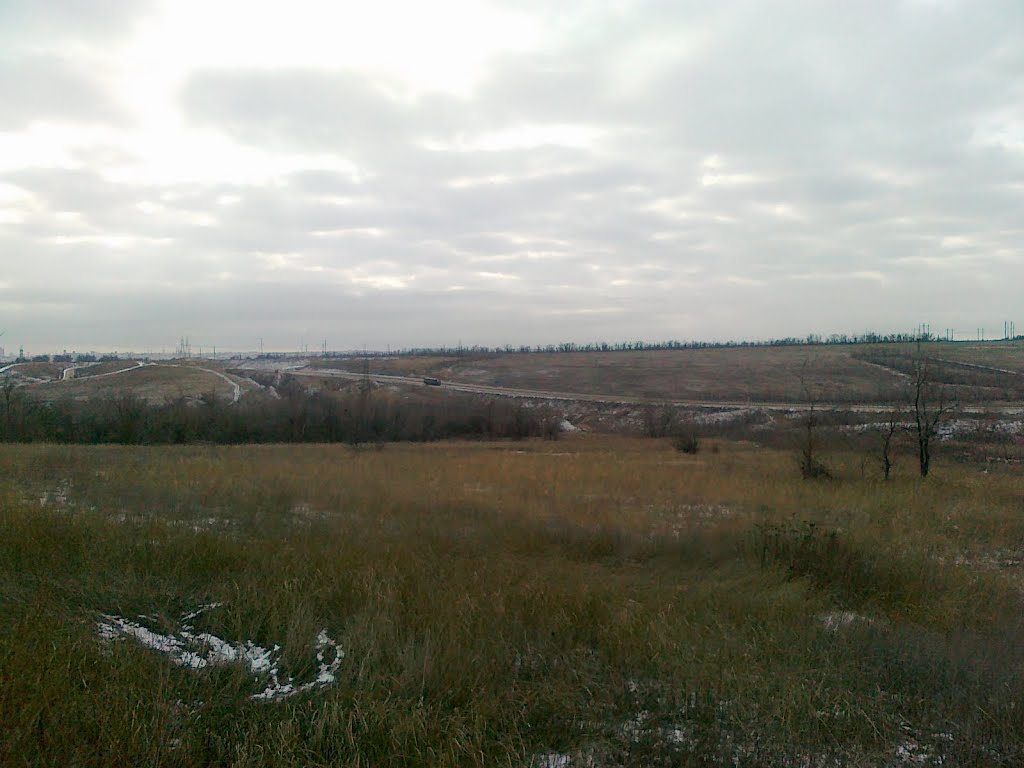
(606, 598)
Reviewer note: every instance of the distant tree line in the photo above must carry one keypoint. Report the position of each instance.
(812, 339)
(320, 417)
(68, 357)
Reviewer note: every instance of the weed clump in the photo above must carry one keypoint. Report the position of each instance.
(686, 442)
(812, 469)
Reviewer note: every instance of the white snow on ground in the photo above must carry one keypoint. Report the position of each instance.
(59, 496)
(271, 389)
(324, 677)
(196, 524)
(913, 748)
(911, 751)
(200, 524)
(719, 417)
(195, 650)
(878, 426)
(954, 427)
(551, 760)
(838, 620)
(948, 429)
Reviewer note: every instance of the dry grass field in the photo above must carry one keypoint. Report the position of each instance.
(32, 371)
(751, 374)
(739, 374)
(155, 383)
(595, 601)
(106, 367)
(832, 373)
(1006, 355)
(735, 374)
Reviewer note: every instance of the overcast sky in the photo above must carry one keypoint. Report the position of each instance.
(423, 173)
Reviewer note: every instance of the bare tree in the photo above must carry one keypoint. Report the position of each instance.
(659, 422)
(889, 431)
(930, 407)
(8, 400)
(810, 466)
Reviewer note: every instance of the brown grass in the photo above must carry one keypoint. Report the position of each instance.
(500, 600)
(156, 383)
(1008, 355)
(36, 370)
(109, 366)
(758, 374)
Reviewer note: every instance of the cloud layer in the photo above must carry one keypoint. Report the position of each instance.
(506, 173)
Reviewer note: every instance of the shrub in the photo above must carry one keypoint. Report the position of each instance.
(686, 442)
(812, 469)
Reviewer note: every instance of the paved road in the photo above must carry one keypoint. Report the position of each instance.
(541, 394)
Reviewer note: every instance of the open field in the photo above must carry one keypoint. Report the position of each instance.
(105, 368)
(159, 382)
(834, 373)
(1006, 355)
(755, 373)
(592, 601)
(862, 374)
(34, 371)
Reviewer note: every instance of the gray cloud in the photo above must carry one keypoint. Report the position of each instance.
(30, 23)
(50, 88)
(309, 109)
(659, 170)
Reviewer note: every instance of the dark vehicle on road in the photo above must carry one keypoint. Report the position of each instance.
(431, 381)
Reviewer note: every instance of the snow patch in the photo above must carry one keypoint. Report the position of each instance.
(723, 417)
(196, 651)
(59, 496)
(551, 760)
(837, 620)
